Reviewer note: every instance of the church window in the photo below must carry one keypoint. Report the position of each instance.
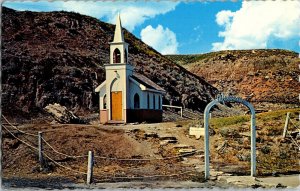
(117, 56)
(104, 101)
(159, 102)
(136, 101)
(153, 101)
(148, 101)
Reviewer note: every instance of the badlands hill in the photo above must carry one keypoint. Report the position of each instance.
(50, 57)
(257, 75)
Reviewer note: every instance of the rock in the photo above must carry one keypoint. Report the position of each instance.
(180, 146)
(165, 142)
(187, 151)
(62, 115)
(178, 125)
(244, 157)
(222, 147)
(151, 134)
(211, 132)
(279, 185)
(213, 178)
(167, 137)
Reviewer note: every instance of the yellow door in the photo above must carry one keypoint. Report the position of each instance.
(116, 106)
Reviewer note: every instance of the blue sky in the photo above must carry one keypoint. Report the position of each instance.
(182, 27)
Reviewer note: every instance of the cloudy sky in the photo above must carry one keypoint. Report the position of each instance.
(183, 27)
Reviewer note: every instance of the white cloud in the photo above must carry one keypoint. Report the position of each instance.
(163, 40)
(132, 13)
(258, 22)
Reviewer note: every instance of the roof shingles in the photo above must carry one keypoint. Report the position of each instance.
(146, 81)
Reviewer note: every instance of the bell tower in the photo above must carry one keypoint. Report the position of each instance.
(117, 76)
(118, 47)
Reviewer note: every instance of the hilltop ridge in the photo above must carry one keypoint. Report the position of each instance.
(260, 75)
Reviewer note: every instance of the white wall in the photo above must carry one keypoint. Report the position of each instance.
(101, 95)
(134, 88)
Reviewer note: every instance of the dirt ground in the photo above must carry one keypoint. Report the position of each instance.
(155, 152)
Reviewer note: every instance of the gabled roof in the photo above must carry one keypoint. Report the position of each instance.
(146, 82)
(100, 86)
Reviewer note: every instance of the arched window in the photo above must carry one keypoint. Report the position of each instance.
(104, 101)
(136, 101)
(148, 101)
(159, 102)
(117, 56)
(153, 101)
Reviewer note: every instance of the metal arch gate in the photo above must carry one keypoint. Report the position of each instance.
(222, 99)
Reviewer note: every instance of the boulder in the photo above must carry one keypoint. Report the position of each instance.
(62, 115)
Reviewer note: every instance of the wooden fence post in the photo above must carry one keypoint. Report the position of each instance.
(90, 168)
(40, 142)
(286, 124)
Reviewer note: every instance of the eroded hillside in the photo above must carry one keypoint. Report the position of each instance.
(257, 75)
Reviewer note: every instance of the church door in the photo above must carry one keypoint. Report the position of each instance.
(116, 106)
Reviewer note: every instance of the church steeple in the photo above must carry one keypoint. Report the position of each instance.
(118, 47)
(118, 31)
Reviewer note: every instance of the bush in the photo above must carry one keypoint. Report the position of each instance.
(265, 149)
(228, 132)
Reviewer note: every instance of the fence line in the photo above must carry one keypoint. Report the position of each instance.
(20, 139)
(43, 152)
(79, 172)
(293, 140)
(18, 128)
(290, 136)
(172, 106)
(63, 166)
(294, 124)
(70, 156)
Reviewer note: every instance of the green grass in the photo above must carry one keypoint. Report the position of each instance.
(228, 121)
(278, 115)
(261, 118)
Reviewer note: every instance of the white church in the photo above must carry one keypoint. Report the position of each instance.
(126, 96)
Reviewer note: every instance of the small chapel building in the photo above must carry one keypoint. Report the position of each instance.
(126, 96)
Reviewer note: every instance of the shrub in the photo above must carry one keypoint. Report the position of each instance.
(228, 132)
(265, 149)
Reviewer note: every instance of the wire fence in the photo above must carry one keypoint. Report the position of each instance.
(18, 129)
(290, 135)
(99, 177)
(95, 176)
